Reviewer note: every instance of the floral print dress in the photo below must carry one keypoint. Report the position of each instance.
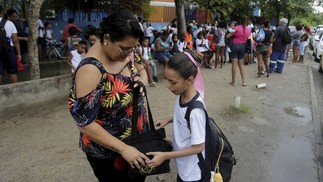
(110, 105)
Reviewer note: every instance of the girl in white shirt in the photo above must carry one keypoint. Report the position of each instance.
(183, 78)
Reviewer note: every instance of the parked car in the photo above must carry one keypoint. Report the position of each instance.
(318, 47)
(321, 65)
(315, 38)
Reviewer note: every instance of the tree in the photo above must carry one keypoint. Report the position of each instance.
(32, 18)
(180, 16)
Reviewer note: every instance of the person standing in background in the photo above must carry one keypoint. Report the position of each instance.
(71, 23)
(8, 59)
(22, 36)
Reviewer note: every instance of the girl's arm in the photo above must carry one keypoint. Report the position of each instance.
(163, 122)
(160, 157)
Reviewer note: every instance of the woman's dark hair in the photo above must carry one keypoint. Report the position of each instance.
(182, 64)
(70, 20)
(266, 24)
(121, 24)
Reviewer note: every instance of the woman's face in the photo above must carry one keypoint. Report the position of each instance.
(120, 50)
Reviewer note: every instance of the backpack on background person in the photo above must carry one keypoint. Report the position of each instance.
(287, 36)
(260, 37)
(219, 157)
(4, 42)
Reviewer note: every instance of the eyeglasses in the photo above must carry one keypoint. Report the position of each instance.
(126, 52)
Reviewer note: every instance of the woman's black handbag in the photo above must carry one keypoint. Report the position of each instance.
(150, 141)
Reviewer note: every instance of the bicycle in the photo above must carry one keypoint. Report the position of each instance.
(58, 50)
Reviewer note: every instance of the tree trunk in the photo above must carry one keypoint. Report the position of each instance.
(180, 16)
(35, 6)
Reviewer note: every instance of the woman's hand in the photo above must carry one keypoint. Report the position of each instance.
(134, 157)
(140, 83)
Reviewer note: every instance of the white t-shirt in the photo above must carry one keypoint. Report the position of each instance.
(10, 29)
(40, 28)
(76, 59)
(205, 43)
(181, 45)
(145, 52)
(187, 167)
(48, 33)
(149, 31)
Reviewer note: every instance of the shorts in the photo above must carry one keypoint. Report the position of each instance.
(162, 56)
(41, 41)
(238, 51)
(296, 43)
(278, 55)
(8, 62)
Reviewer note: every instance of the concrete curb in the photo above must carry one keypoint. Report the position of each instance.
(317, 127)
(22, 94)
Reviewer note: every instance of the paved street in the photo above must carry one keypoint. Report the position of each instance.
(274, 139)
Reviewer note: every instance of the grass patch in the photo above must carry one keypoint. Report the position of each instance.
(232, 111)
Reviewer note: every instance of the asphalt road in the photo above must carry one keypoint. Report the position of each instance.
(274, 139)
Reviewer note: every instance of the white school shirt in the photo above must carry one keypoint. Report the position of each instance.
(205, 43)
(187, 167)
(181, 45)
(144, 52)
(76, 59)
(10, 29)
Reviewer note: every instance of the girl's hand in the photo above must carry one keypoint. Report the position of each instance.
(159, 158)
(134, 157)
(161, 123)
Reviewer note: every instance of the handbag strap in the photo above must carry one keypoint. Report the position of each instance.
(136, 93)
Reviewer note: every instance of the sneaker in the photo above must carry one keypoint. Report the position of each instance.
(152, 84)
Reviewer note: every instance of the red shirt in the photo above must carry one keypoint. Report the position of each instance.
(65, 34)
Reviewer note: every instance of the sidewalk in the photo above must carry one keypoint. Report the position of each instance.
(273, 140)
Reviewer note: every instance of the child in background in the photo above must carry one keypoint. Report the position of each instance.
(49, 38)
(174, 44)
(94, 36)
(304, 44)
(73, 39)
(181, 44)
(183, 77)
(75, 56)
(145, 54)
(202, 47)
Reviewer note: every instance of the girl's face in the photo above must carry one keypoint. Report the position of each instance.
(231, 25)
(175, 83)
(145, 42)
(199, 36)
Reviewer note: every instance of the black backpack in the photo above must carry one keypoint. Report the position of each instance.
(217, 148)
(287, 36)
(4, 46)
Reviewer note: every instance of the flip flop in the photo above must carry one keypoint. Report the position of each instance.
(231, 83)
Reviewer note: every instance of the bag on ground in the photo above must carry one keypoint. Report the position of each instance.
(219, 157)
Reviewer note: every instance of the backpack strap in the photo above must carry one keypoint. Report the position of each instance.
(197, 104)
(3, 23)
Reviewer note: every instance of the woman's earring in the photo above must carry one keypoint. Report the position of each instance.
(105, 43)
